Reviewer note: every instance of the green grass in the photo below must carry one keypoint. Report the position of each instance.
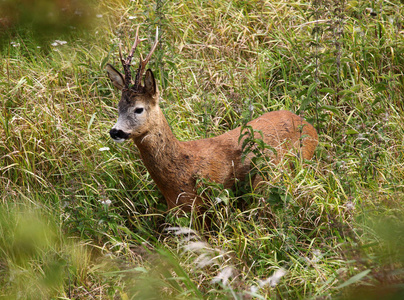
(334, 224)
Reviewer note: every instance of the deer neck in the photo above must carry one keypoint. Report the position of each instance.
(159, 147)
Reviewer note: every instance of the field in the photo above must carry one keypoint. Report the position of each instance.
(80, 217)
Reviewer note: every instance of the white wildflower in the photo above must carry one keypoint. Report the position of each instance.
(99, 16)
(14, 44)
(131, 17)
(254, 289)
(223, 276)
(106, 202)
(316, 256)
(350, 205)
(369, 10)
(58, 43)
(204, 260)
(218, 200)
(274, 279)
(195, 246)
(104, 149)
(181, 230)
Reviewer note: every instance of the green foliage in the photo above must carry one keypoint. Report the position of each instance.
(36, 260)
(81, 218)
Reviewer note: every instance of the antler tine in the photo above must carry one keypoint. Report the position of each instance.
(143, 63)
(135, 44)
(126, 62)
(156, 41)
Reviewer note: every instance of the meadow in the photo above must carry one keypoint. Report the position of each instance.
(80, 217)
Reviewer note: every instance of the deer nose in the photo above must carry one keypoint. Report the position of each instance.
(118, 135)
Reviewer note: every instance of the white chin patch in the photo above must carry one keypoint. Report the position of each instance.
(119, 140)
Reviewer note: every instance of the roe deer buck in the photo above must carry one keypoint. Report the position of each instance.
(174, 165)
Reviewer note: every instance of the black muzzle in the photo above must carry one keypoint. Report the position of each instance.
(117, 134)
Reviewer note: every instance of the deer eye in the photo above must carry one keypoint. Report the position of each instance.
(139, 110)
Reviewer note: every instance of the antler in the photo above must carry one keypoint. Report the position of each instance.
(126, 63)
(143, 63)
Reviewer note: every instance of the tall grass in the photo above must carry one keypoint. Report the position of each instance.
(80, 217)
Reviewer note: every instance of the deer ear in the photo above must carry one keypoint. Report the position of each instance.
(116, 77)
(150, 83)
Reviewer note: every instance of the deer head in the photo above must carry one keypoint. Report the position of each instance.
(139, 103)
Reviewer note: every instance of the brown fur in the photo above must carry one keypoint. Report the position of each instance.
(175, 166)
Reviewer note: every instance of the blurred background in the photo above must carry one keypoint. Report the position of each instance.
(44, 20)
